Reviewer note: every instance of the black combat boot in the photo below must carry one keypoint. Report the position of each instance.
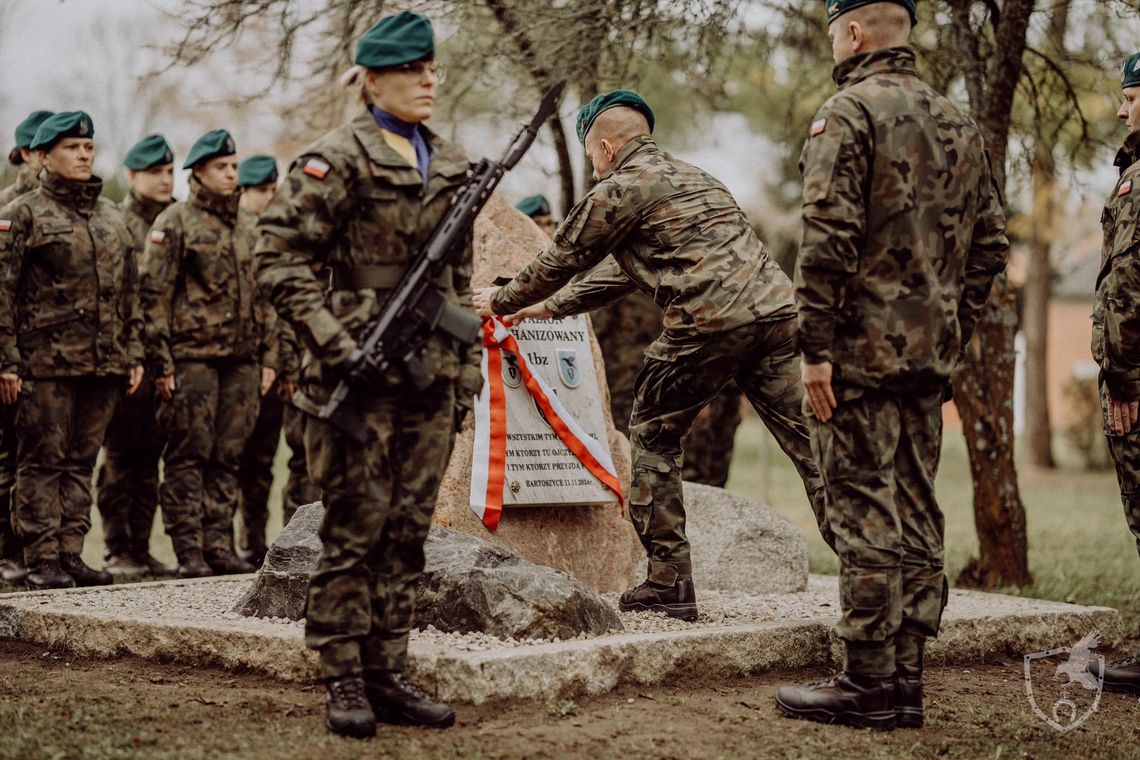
(84, 575)
(394, 700)
(125, 566)
(225, 562)
(1121, 676)
(12, 572)
(47, 574)
(908, 696)
(153, 565)
(191, 565)
(851, 700)
(255, 556)
(677, 601)
(346, 708)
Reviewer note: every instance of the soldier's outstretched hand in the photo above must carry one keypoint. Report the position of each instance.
(482, 300)
(134, 379)
(538, 311)
(10, 385)
(817, 388)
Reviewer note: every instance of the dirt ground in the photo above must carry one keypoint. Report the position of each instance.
(53, 705)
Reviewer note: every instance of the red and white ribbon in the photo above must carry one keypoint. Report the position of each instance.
(489, 466)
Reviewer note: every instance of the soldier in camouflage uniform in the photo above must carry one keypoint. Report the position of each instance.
(205, 332)
(128, 479)
(12, 568)
(361, 202)
(676, 233)
(257, 181)
(903, 233)
(68, 341)
(1116, 335)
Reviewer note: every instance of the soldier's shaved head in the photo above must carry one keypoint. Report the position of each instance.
(610, 132)
(869, 28)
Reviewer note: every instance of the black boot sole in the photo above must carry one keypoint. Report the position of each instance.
(397, 718)
(879, 721)
(686, 612)
(352, 732)
(1132, 689)
(909, 717)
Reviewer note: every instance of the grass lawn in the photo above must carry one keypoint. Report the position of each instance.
(1080, 548)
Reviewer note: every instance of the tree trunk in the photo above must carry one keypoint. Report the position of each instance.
(1035, 315)
(984, 387)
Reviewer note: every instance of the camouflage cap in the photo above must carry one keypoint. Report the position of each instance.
(58, 126)
(628, 98)
(148, 152)
(836, 8)
(402, 38)
(1130, 71)
(257, 170)
(210, 145)
(534, 205)
(26, 129)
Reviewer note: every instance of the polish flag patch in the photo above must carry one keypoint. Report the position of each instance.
(315, 167)
(818, 126)
(157, 236)
(5, 225)
(1125, 188)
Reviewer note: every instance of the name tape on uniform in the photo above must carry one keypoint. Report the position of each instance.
(315, 167)
(818, 126)
(1125, 188)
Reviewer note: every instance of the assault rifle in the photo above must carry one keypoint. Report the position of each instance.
(416, 308)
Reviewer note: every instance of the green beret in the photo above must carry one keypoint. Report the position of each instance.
(627, 98)
(402, 38)
(26, 130)
(1130, 71)
(210, 145)
(58, 126)
(257, 170)
(148, 152)
(836, 8)
(534, 205)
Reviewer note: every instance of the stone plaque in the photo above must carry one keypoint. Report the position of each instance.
(540, 469)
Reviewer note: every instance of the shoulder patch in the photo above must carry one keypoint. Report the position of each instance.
(5, 225)
(157, 236)
(818, 127)
(1125, 188)
(315, 167)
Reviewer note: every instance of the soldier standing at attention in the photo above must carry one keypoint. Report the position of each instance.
(128, 479)
(257, 181)
(30, 161)
(1116, 335)
(362, 201)
(12, 568)
(68, 344)
(903, 234)
(204, 333)
(676, 233)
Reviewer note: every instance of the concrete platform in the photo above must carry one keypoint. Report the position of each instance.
(188, 621)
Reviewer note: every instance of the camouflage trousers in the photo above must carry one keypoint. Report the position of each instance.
(128, 480)
(1125, 450)
(878, 456)
(255, 474)
(204, 429)
(299, 489)
(9, 546)
(60, 424)
(379, 500)
(669, 395)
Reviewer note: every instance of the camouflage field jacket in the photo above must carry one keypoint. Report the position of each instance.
(1116, 309)
(903, 228)
(68, 283)
(199, 294)
(674, 232)
(351, 204)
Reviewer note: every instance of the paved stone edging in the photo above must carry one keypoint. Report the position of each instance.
(977, 627)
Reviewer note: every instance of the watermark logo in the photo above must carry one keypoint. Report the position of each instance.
(1075, 686)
